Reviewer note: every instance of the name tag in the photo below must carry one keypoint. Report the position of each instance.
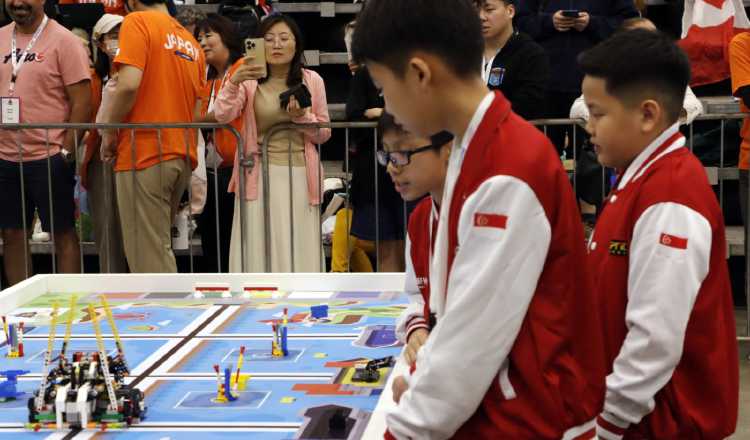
(10, 109)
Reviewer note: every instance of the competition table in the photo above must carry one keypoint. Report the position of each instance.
(172, 339)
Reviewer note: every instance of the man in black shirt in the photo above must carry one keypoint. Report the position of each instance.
(513, 62)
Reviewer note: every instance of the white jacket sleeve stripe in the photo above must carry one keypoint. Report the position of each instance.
(415, 309)
(494, 276)
(669, 259)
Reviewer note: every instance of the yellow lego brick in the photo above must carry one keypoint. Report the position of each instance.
(320, 355)
(288, 400)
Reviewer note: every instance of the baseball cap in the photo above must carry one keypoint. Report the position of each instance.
(105, 24)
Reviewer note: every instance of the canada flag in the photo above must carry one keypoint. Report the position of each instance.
(707, 28)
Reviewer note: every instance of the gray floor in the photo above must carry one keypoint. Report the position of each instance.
(743, 424)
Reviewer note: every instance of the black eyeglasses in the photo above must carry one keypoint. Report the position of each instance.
(403, 158)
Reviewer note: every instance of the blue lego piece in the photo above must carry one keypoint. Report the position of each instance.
(228, 385)
(283, 341)
(8, 388)
(318, 312)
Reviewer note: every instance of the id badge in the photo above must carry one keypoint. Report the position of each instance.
(497, 75)
(10, 106)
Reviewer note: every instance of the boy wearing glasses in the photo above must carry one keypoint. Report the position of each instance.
(515, 351)
(417, 167)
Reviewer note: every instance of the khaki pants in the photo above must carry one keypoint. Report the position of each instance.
(105, 217)
(148, 200)
(305, 251)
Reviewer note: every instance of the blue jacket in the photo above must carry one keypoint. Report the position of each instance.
(535, 18)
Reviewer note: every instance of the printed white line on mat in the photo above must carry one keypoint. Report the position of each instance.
(218, 321)
(155, 356)
(199, 320)
(178, 356)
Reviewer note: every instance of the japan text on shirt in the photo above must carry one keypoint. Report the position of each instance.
(182, 48)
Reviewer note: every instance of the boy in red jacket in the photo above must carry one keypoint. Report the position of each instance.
(658, 252)
(515, 352)
(417, 167)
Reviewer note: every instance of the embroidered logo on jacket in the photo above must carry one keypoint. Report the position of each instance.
(482, 220)
(673, 241)
(618, 248)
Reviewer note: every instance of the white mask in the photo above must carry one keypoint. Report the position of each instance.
(112, 47)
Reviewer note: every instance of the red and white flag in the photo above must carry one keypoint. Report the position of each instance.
(707, 28)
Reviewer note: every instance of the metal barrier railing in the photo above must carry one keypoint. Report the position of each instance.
(722, 173)
(135, 131)
(247, 163)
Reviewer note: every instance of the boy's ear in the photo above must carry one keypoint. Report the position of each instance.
(651, 114)
(419, 72)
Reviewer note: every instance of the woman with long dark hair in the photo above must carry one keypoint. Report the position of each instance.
(256, 97)
(223, 49)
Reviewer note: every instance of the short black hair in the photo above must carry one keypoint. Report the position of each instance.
(227, 32)
(390, 31)
(387, 124)
(483, 3)
(641, 63)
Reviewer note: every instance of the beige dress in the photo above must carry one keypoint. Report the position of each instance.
(296, 249)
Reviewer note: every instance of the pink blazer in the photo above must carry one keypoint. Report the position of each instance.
(233, 101)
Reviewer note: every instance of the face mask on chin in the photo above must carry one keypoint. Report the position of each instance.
(112, 47)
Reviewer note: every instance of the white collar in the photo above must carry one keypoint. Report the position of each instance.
(635, 166)
(471, 130)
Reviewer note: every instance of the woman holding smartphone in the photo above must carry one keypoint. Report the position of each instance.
(253, 92)
(222, 48)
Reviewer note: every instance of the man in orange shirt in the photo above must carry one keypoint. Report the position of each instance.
(739, 64)
(161, 70)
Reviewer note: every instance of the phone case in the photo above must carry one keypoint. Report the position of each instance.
(256, 47)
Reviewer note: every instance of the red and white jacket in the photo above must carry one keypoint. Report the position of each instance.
(516, 351)
(658, 258)
(418, 250)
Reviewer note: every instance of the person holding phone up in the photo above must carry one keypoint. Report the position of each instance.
(565, 28)
(266, 91)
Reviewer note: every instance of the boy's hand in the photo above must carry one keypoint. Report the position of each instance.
(582, 22)
(399, 388)
(563, 23)
(417, 338)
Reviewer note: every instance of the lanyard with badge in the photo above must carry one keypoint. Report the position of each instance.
(11, 105)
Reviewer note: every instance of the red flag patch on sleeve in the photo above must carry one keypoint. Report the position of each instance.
(482, 220)
(673, 241)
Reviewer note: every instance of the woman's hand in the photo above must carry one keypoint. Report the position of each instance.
(294, 109)
(247, 71)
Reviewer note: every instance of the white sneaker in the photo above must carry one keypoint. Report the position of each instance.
(38, 235)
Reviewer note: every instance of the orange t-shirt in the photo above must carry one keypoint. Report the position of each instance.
(739, 64)
(225, 142)
(173, 80)
(110, 6)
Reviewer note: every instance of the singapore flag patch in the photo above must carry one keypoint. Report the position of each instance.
(673, 241)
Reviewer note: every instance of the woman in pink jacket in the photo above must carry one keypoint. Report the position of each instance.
(255, 96)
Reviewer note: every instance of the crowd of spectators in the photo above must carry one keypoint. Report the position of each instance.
(146, 64)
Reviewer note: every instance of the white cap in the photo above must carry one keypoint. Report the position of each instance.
(105, 24)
